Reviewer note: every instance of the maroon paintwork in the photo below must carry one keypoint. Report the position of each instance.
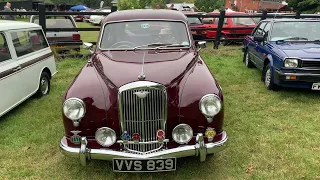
(183, 72)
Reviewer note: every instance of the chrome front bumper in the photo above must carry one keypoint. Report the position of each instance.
(199, 149)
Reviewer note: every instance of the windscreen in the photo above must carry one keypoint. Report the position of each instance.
(57, 22)
(127, 35)
(303, 30)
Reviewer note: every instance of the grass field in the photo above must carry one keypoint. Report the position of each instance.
(273, 135)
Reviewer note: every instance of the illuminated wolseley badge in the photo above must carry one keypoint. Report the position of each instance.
(75, 139)
(141, 94)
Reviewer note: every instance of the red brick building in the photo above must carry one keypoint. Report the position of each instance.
(257, 5)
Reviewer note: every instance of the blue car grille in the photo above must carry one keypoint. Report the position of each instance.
(311, 64)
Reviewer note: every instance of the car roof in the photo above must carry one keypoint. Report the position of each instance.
(11, 25)
(139, 14)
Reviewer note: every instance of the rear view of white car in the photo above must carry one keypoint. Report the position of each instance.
(27, 63)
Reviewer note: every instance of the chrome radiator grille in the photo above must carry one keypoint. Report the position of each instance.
(143, 115)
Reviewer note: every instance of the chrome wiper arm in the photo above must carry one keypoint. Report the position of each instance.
(172, 45)
(152, 44)
(294, 38)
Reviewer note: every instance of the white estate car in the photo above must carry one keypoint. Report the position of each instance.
(96, 19)
(26, 63)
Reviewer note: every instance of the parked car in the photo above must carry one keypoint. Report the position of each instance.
(196, 22)
(87, 17)
(97, 19)
(119, 108)
(234, 23)
(61, 41)
(286, 51)
(79, 17)
(26, 63)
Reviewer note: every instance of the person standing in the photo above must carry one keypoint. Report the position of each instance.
(7, 8)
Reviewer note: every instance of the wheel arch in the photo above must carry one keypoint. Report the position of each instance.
(47, 70)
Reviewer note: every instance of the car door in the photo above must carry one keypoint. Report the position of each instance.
(9, 76)
(261, 48)
(32, 50)
(252, 45)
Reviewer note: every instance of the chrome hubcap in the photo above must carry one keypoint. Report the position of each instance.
(268, 77)
(44, 86)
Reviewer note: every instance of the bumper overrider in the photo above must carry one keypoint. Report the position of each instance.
(200, 149)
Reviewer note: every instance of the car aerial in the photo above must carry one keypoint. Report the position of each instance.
(26, 63)
(235, 23)
(286, 51)
(137, 101)
(97, 19)
(61, 41)
(196, 23)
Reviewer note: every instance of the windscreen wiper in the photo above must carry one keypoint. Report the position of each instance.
(173, 45)
(294, 38)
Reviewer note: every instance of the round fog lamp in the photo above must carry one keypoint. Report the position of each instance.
(182, 133)
(106, 136)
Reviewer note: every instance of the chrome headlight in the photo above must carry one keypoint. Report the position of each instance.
(106, 136)
(210, 105)
(74, 108)
(291, 63)
(182, 133)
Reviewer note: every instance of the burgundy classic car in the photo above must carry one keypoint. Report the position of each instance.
(145, 97)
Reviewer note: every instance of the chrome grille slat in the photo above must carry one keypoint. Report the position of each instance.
(144, 116)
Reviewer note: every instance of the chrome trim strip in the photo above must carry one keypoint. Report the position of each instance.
(171, 20)
(199, 149)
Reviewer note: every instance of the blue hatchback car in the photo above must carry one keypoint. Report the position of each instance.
(287, 51)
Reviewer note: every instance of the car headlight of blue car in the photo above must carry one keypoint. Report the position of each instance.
(291, 63)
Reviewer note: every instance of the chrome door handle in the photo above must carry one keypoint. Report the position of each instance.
(16, 68)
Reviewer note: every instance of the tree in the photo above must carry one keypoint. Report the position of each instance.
(140, 4)
(306, 6)
(208, 5)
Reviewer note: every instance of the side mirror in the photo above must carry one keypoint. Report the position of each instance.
(258, 38)
(88, 46)
(201, 44)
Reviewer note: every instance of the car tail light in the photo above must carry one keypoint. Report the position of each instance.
(76, 37)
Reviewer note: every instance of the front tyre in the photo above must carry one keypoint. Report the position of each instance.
(268, 78)
(44, 85)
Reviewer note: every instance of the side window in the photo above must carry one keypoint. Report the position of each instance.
(4, 50)
(266, 29)
(26, 42)
(216, 21)
(259, 30)
(207, 20)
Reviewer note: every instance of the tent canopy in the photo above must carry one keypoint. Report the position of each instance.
(79, 8)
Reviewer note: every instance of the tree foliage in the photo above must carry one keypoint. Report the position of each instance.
(140, 4)
(208, 5)
(307, 6)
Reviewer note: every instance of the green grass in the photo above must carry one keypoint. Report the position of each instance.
(273, 135)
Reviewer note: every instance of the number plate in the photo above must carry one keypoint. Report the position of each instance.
(144, 165)
(315, 86)
(194, 32)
